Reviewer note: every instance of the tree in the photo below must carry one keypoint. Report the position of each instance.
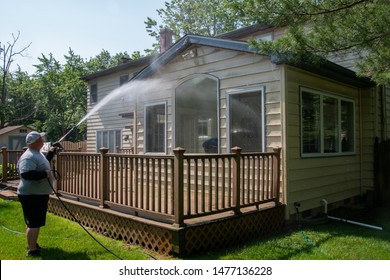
(208, 18)
(20, 99)
(8, 54)
(105, 60)
(327, 28)
(60, 95)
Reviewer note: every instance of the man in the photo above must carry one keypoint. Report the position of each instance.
(34, 188)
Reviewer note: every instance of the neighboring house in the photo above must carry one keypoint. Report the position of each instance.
(209, 94)
(14, 137)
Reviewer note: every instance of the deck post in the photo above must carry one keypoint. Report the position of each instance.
(178, 186)
(276, 174)
(103, 186)
(5, 164)
(236, 179)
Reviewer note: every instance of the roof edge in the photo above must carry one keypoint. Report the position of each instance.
(139, 62)
(189, 40)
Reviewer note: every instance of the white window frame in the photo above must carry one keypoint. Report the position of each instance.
(91, 101)
(243, 90)
(339, 99)
(115, 140)
(147, 105)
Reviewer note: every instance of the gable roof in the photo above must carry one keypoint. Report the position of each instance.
(328, 69)
(9, 129)
(187, 41)
(146, 60)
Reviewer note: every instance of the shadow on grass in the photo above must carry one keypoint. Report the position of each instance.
(301, 241)
(59, 254)
(284, 245)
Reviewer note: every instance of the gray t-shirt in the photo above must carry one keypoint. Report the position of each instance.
(33, 160)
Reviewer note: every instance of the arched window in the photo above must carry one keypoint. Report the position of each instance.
(196, 115)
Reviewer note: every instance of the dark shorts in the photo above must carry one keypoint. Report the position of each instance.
(34, 209)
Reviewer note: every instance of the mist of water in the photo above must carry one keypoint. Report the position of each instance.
(131, 90)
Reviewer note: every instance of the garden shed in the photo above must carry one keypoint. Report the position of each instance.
(14, 137)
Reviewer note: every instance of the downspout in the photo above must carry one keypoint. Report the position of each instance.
(325, 202)
(361, 139)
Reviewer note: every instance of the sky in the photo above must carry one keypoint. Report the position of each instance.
(85, 26)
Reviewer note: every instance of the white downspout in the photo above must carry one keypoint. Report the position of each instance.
(325, 202)
(361, 140)
(345, 220)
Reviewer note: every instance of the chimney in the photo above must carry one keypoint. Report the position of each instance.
(165, 39)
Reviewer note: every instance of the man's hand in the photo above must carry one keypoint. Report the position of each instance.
(57, 145)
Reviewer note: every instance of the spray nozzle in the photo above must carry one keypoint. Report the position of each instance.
(57, 145)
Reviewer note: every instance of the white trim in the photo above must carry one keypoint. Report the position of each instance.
(243, 90)
(151, 104)
(339, 99)
(108, 130)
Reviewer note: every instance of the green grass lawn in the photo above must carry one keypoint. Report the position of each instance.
(63, 239)
(332, 240)
(66, 240)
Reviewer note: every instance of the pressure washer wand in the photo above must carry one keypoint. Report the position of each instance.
(63, 137)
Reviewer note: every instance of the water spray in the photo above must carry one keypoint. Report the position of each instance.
(73, 128)
(140, 87)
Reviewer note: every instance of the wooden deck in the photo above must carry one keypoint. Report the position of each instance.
(176, 204)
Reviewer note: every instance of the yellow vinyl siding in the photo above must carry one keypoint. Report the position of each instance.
(333, 178)
(233, 70)
(107, 116)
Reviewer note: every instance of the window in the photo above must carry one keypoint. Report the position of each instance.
(155, 119)
(196, 114)
(93, 93)
(246, 119)
(109, 139)
(123, 79)
(327, 124)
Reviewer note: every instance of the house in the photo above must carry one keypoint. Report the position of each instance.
(14, 137)
(217, 90)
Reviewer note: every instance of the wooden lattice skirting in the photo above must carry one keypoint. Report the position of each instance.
(166, 239)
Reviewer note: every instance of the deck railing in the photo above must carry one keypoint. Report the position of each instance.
(218, 183)
(8, 161)
(171, 188)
